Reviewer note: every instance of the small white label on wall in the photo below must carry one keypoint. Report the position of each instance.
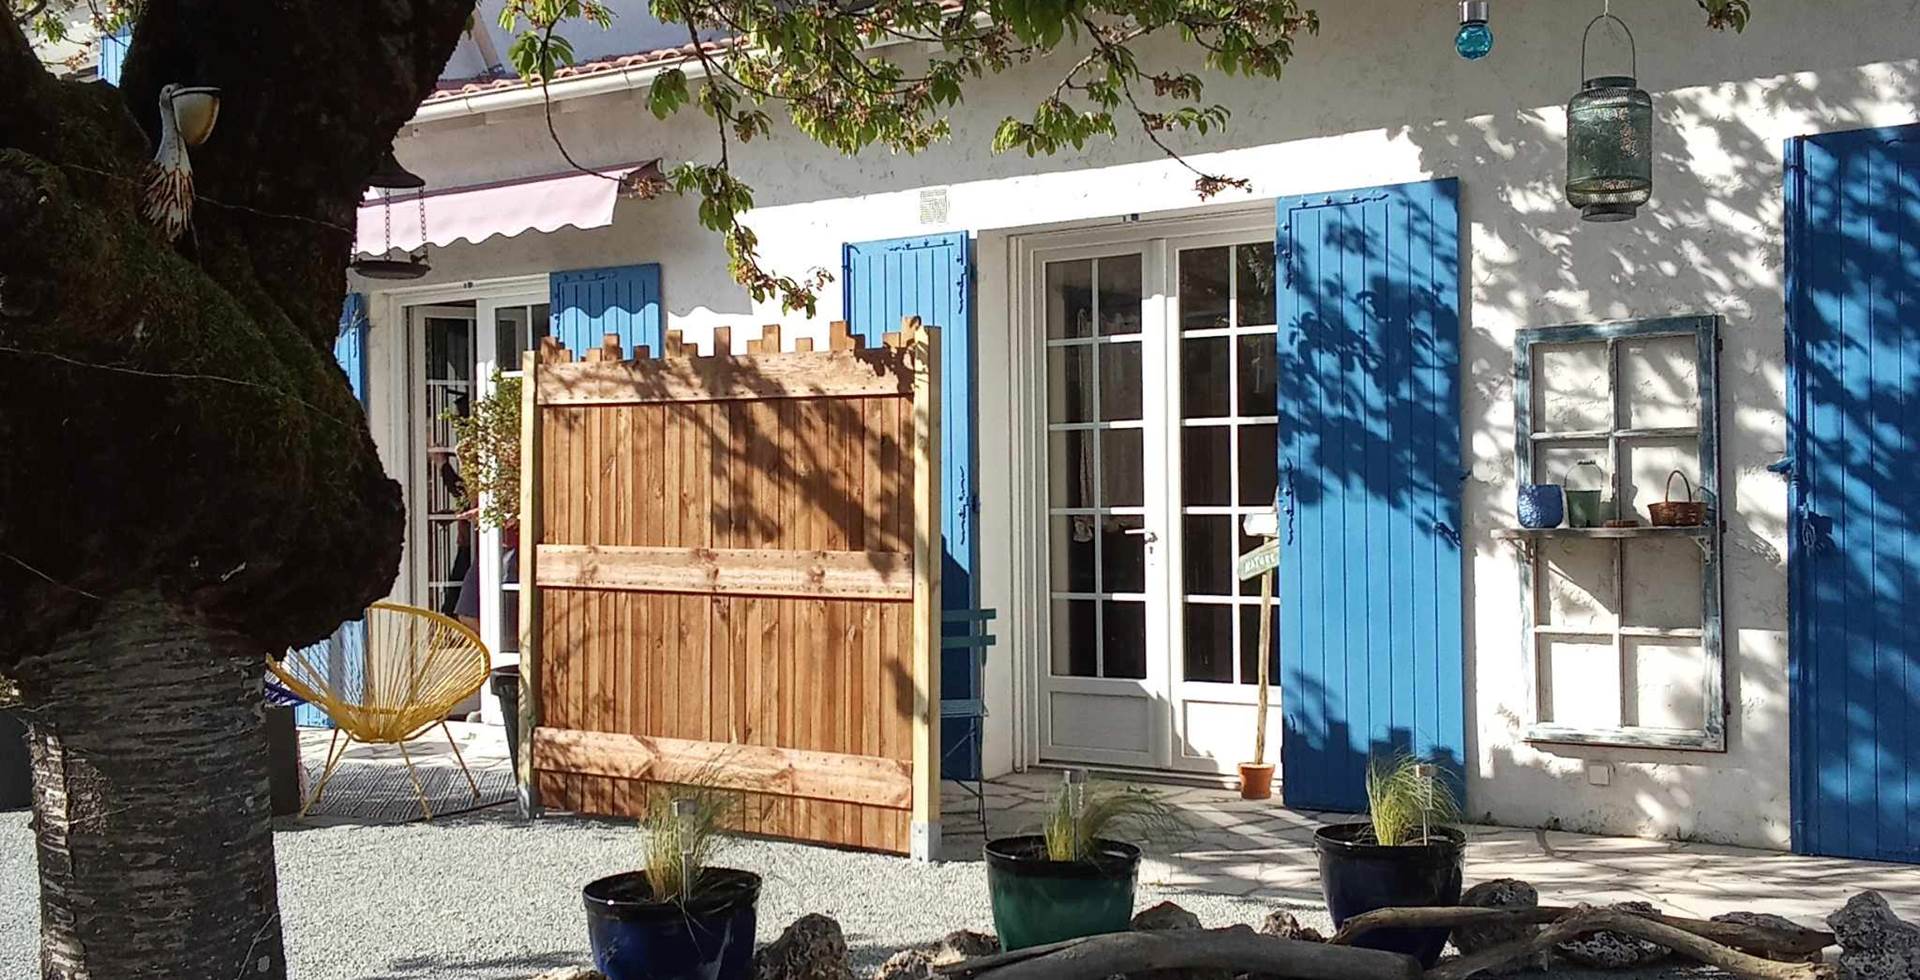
(933, 206)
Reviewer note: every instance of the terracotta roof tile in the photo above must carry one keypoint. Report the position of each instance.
(455, 88)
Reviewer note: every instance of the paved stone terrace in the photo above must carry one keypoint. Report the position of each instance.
(1242, 848)
(1245, 848)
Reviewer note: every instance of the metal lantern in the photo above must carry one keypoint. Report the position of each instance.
(1609, 139)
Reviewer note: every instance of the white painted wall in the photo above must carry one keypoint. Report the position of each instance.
(1378, 98)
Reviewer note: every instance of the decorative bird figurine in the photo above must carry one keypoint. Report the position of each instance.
(187, 115)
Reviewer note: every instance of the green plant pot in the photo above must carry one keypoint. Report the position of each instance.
(1037, 901)
(1588, 508)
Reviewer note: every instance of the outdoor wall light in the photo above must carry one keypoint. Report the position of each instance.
(1609, 139)
(1474, 40)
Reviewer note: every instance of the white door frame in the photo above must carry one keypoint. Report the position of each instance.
(1028, 630)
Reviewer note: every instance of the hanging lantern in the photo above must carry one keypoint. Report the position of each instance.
(388, 177)
(1474, 39)
(1609, 139)
(390, 174)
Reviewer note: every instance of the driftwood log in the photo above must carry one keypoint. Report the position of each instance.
(1240, 950)
(1587, 921)
(1770, 943)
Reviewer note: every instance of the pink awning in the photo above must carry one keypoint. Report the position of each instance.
(480, 212)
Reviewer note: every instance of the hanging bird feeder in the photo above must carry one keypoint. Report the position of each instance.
(388, 177)
(1609, 139)
(187, 116)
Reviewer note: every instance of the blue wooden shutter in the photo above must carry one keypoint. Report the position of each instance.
(1853, 545)
(349, 641)
(588, 304)
(113, 54)
(930, 276)
(1370, 610)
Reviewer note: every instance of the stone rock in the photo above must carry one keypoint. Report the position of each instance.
(964, 944)
(908, 964)
(918, 963)
(1765, 920)
(1874, 943)
(1282, 924)
(1612, 951)
(1165, 915)
(813, 948)
(572, 973)
(1500, 893)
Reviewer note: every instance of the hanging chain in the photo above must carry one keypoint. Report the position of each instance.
(421, 196)
(386, 212)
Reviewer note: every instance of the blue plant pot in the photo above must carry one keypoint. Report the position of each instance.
(1357, 876)
(1541, 505)
(636, 937)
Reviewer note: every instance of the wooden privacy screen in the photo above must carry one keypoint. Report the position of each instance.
(736, 582)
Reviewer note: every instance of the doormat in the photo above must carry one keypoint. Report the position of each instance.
(381, 792)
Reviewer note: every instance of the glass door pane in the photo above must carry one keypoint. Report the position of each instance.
(448, 345)
(1097, 470)
(1228, 449)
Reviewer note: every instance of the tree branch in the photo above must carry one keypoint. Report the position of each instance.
(1591, 921)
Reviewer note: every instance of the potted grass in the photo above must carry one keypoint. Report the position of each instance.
(1405, 854)
(16, 770)
(1074, 879)
(679, 918)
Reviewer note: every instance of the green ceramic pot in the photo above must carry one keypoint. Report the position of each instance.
(1587, 508)
(1037, 901)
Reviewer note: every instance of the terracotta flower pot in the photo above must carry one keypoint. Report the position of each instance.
(1256, 781)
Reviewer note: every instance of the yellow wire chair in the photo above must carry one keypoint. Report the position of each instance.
(413, 668)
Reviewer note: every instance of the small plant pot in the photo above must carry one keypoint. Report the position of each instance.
(637, 937)
(1358, 876)
(1541, 505)
(1256, 781)
(16, 769)
(506, 687)
(1037, 901)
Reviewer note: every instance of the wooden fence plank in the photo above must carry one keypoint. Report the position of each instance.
(873, 575)
(829, 776)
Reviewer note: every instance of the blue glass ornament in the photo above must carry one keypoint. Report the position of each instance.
(1474, 39)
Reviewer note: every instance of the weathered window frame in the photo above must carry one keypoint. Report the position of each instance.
(1705, 330)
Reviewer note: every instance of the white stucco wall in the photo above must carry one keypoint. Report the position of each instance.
(1378, 98)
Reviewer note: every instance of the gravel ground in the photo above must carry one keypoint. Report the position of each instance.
(487, 898)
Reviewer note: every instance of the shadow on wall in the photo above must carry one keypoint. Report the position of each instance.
(1712, 241)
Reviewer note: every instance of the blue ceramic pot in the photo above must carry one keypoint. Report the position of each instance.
(1359, 876)
(1541, 505)
(636, 937)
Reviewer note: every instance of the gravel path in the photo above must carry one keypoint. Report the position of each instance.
(485, 897)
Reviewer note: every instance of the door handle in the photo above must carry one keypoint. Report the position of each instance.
(1143, 532)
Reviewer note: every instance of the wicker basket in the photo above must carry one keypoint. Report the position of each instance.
(1681, 513)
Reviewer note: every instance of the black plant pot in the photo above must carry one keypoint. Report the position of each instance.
(16, 769)
(506, 687)
(283, 759)
(637, 937)
(1357, 875)
(1037, 901)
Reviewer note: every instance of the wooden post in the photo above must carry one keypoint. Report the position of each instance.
(1266, 658)
(923, 351)
(529, 595)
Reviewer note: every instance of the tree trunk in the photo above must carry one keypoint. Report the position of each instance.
(151, 801)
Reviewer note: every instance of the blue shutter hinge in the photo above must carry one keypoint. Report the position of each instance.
(1783, 466)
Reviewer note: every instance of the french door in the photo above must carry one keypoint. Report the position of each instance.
(1161, 439)
(462, 569)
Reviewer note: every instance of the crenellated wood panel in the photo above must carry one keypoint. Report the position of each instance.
(734, 582)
